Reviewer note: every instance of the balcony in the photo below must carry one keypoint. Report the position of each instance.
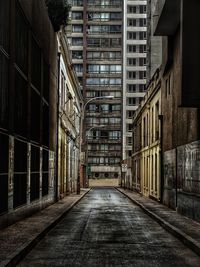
(166, 17)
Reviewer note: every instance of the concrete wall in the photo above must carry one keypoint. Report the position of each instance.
(39, 26)
(180, 136)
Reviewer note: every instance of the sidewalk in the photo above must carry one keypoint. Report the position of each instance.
(185, 229)
(18, 239)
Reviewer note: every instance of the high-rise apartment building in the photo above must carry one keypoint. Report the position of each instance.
(96, 44)
(134, 62)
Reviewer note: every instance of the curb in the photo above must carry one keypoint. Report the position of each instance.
(21, 252)
(184, 238)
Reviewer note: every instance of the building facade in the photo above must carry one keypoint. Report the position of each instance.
(95, 38)
(28, 80)
(180, 105)
(70, 100)
(154, 43)
(146, 159)
(134, 63)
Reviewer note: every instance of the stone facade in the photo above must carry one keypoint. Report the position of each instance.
(70, 100)
(146, 158)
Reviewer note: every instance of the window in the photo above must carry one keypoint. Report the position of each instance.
(77, 15)
(129, 141)
(77, 54)
(131, 61)
(142, 88)
(105, 16)
(131, 48)
(77, 41)
(77, 2)
(142, 61)
(131, 74)
(131, 88)
(131, 101)
(132, 22)
(115, 16)
(142, 9)
(142, 22)
(77, 28)
(142, 48)
(78, 67)
(142, 35)
(132, 9)
(131, 35)
(115, 42)
(130, 114)
(142, 75)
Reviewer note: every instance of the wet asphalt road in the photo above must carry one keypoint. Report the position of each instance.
(107, 229)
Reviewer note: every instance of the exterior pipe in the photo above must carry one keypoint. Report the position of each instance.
(57, 130)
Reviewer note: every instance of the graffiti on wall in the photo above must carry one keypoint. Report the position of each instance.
(170, 169)
(189, 167)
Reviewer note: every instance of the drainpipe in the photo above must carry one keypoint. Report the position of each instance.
(160, 117)
(57, 130)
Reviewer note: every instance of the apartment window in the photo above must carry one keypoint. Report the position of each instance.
(115, 28)
(93, 16)
(115, 16)
(132, 22)
(105, 42)
(132, 35)
(129, 127)
(77, 54)
(142, 22)
(115, 42)
(77, 15)
(113, 108)
(77, 28)
(115, 68)
(131, 101)
(131, 74)
(142, 75)
(132, 9)
(114, 135)
(141, 87)
(131, 48)
(131, 61)
(129, 141)
(142, 48)
(77, 41)
(131, 88)
(142, 9)
(130, 114)
(78, 67)
(142, 61)
(77, 2)
(105, 16)
(142, 35)
(93, 55)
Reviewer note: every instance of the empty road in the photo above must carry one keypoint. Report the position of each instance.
(107, 229)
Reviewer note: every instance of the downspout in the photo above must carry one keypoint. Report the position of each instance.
(160, 117)
(57, 130)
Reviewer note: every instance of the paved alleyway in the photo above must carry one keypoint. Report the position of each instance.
(107, 229)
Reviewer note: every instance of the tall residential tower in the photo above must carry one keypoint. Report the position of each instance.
(134, 62)
(96, 44)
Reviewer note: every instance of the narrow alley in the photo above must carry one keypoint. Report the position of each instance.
(107, 229)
